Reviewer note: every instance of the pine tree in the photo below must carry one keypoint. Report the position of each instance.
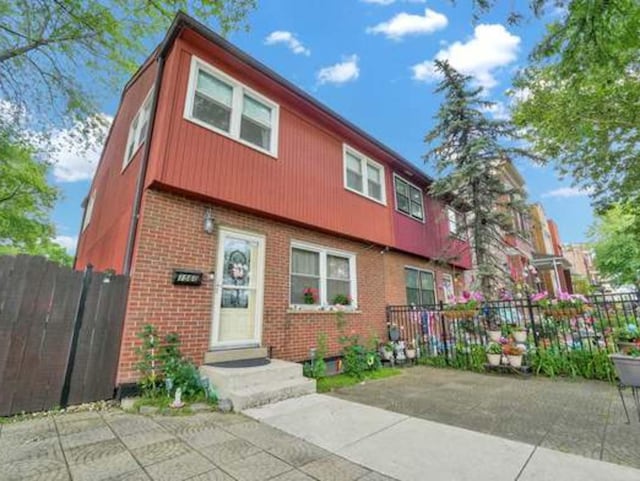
(469, 155)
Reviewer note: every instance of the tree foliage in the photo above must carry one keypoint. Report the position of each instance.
(26, 200)
(580, 98)
(43, 43)
(617, 244)
(468, 150)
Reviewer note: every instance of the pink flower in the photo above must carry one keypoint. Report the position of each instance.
(477, 296)
(539, 296)
(466, 295)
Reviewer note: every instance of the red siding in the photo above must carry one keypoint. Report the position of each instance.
(304, 184)
(103, 243)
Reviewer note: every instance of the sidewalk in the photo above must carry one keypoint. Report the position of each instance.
(409, 448)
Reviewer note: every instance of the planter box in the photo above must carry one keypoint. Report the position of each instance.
(460, 314)
(515, 361)
(627, 368)
(494, 359)
(625, 347)
(494, 335)
(520, 336)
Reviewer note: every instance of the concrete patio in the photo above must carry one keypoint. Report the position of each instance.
(574, 416)
(203, 447)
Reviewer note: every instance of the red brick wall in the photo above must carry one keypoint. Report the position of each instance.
(171, 235)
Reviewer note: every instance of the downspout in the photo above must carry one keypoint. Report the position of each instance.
(133, 227)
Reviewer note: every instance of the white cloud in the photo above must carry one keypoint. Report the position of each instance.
(339, 73)
(498, 111)
(490, 48)
(68, 242)
(384, 3)
(404, 24)
(566, 192)
(75, 152)
(289, 39)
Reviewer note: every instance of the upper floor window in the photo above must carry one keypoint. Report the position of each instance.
(455, 220)
(321, 276)
(363, 175)
(421, 290)
(138, 130)
(409, 199)
(224, 105)
(89, 210)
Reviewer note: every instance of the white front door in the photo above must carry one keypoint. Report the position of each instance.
(239, 290)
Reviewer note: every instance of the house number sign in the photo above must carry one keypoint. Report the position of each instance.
(186, 278)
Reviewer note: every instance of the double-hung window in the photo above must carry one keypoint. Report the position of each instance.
(420, 287)
(409, 199)
(322, 276)
(363, 175)
(456, 223)
(138, 130)
(224, 105)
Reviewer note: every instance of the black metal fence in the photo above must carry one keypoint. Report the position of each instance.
(556, 341)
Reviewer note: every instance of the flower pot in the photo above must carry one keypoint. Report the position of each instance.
(515, 361)
(494, 359)
(386, 355)
(411, 354)
(520, 336)
(627, 368)
(494, 335)
(625, 347)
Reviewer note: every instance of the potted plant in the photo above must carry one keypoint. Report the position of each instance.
(310, 295)
(494, 331)
(386, 351)
(341, 300)
(494, 353)
(411, 350)
(514, 354)
(628, 366)
(464, 307)
(519, 334)
(627, 338)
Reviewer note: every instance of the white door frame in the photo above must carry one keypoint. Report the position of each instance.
(223, 232)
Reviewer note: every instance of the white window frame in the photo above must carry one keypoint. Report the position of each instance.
(420, 269)
(89, 210)
(458, 218)
(134, 131)
(448, 277)
(239, 90)
(395, 194)
(365, 181)
(322, 291)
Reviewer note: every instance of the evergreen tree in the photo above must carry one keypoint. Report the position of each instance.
(469, 150)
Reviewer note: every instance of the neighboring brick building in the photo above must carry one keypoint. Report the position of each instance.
(215, 165)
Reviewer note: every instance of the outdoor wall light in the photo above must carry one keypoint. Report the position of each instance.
(208, 221)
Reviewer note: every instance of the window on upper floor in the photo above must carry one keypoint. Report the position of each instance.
(363, 176)
(89, 210)
(321, 276)
(138, 130)
(456, 222)
(420, 285)
(224, 105)
(409, 198)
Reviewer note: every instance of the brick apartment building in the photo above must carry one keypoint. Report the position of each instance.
(220, 173)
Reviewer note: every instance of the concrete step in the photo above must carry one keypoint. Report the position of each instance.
(240, 378)
(255, 386)
(254, 396)
(239, 354)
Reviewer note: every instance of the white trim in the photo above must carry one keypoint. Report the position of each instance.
(446, 275)
(323, 252)
(239, 89)
(395, 197)
(259, 288)
(134, 134)
(420, 269)
(365, 184)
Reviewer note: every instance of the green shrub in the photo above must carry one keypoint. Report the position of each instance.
(358, 359)
(316, 368)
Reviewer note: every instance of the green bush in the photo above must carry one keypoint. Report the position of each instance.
(316, 368)
(358, 359)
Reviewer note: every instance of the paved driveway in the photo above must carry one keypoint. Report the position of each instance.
(119, 446)
(578, 417)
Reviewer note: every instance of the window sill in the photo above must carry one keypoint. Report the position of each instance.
(323, 311)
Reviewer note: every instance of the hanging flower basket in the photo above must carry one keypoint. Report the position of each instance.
(460, 314)
(563, 312)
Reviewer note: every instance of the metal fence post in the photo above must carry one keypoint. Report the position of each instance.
(75, 332)
(532, 321)
(444, 333)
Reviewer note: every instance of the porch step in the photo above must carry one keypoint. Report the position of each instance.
(249, 387)
(241, 354)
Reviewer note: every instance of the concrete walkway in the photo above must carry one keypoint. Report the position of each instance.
(118, 446)
(408, 448)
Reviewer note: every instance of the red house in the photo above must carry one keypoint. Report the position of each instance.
(217, 165)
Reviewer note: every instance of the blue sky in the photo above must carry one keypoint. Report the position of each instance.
(370, 61)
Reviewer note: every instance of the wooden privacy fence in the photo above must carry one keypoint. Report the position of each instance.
(60, 334)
